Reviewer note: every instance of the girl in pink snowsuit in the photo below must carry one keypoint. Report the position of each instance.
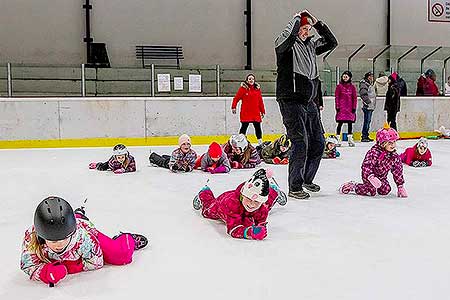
(245, 209)
(62, 242)
(379, 160)
(417, 156)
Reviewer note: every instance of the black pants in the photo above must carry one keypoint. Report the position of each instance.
(305, 132)
(339, 127)
(103, 166)
(160, 161)
(392, 119)
(257, 125)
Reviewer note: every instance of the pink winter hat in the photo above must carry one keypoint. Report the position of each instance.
(184, 138)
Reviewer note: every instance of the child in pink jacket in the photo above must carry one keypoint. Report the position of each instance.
(379, 160)
(62, 242)
(417, 156)
(121, 161)
(245, 209)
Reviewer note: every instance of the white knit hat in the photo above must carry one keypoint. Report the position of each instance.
(257, 187)
(184, 138)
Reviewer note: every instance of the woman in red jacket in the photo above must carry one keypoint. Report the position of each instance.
(252, 108)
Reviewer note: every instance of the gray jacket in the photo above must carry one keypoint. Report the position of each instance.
(208, 162)
(297, 74)
(367, 94)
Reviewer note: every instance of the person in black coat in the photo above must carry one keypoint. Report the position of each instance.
(392, 103)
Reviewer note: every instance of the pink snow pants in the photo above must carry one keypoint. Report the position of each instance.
(118, 251)
(209, 205)
(367, 189)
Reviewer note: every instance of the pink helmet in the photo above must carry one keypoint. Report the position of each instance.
(387, 134)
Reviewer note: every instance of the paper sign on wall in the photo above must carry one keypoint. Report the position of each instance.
(178, 83)
(195, 83)
(163, 82)
(439, 10)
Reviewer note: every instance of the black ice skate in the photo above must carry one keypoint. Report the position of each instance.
(81, 212)
(140, 241)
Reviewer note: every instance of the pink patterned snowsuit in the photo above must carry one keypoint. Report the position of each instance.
(228, 208)
(87, 245)
(379, 162)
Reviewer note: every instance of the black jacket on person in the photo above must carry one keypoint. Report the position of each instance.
(392, 102)
(301, 56)
(401, 84)
(319, 96)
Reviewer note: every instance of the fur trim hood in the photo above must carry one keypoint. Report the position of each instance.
(245, 85)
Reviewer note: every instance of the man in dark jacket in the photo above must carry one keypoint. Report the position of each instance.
(297, 87)
(368, 97)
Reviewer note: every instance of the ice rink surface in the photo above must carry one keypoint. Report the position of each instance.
(331, 247)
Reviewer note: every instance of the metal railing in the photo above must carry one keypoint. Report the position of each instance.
(217, 80)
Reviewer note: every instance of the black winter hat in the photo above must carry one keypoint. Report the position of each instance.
(367, 75)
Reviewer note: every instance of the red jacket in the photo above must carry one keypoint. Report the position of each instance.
(411, 154)
(252, 103)
(420, 85)
(430, 88)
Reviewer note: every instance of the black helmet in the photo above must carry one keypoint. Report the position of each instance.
(54, 219)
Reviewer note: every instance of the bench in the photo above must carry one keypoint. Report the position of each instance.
(159, 53)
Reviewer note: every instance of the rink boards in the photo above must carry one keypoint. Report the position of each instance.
(102, 121)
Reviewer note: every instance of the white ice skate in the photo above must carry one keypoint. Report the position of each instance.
(351, 142)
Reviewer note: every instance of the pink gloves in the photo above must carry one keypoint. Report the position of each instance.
(53, 272)
(73, 266)
(374, 181)
(119, 171)
(219, 169)
(402, 192)
(236, 165)
(255, 232)
(92, 165)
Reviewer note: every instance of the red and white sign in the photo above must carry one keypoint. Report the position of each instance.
(439, 10)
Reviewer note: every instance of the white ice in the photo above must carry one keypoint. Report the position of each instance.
(331, 247)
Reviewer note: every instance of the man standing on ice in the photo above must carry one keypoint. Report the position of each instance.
(297, 84)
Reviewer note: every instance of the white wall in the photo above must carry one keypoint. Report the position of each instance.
(211, 32)
(410, 26)
(77, 118)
